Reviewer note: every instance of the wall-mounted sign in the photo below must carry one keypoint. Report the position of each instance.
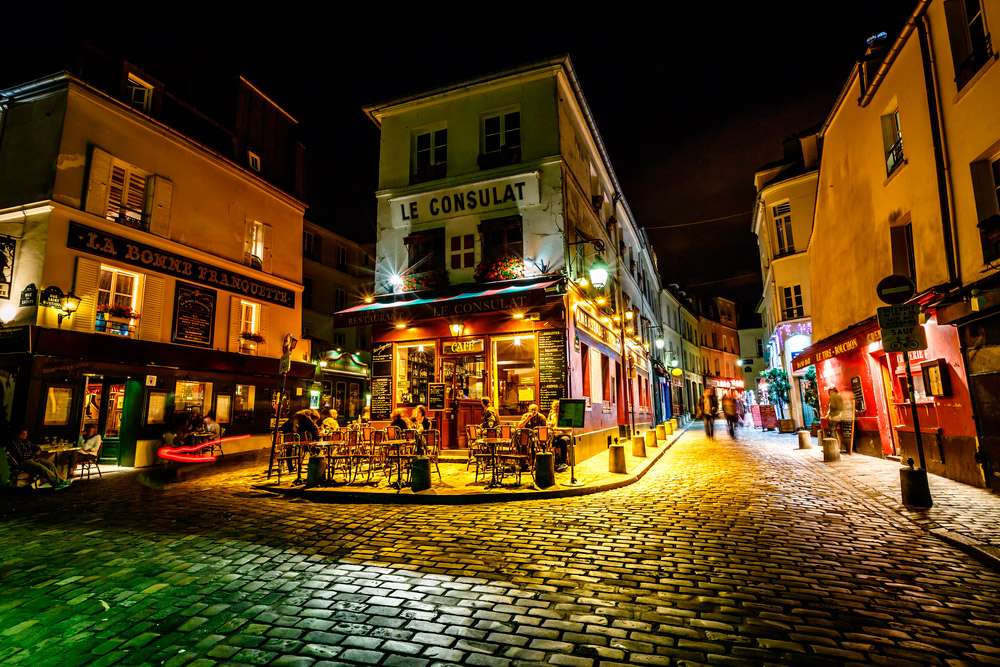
(8, 244)
(592, 325)
(102, 244)
(194, 315)
(150, 380)
(827, 350)
(52, 297)
(500, 193)
(446, 308)
(462, 346)
(29, 296)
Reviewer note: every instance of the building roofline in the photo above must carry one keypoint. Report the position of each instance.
(268, 99)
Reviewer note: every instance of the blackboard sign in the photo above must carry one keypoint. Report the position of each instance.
(29, 296)
(859, 396)
(435, 396)
(381, 398)
(194, 315)
(768, 417)
(382, 360)
(551, 367)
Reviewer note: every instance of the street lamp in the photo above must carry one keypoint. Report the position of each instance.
(660, 343)
(68, 305)
(598, 273)
(456, 328)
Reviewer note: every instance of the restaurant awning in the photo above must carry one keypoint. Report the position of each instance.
(483, 298)
(846, 341)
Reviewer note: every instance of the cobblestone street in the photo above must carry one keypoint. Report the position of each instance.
(725, 553)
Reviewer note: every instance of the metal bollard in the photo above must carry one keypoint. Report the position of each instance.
(616, 458)
(831, 449)
(805, 440)
(670, 426)
(315, 472)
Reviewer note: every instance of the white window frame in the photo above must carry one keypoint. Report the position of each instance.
(256, 241)
(137, 84)
(792, 294)
(432, 132)
(502, 115)
(112, 292)
(132, 178)
(254, 160)
(785, 239)
(252, 309)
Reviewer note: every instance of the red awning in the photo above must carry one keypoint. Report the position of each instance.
(846, 341)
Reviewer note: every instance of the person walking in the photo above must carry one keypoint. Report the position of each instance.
(708, 408)
(731, 412)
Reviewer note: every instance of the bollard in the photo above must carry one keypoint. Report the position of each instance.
(314, 473)
(639, 445)
(661, 431)
(669, 427)
(673, 424)
(420, 474)
(805, 440)
(831, 449)
(914, 488)
(616, 458)
(651, 440)
(545, 470)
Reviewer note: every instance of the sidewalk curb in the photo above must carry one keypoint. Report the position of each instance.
(379, 497)
(985, 554)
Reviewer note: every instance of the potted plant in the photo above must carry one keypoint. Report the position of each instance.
(508, 267)
(251, 337)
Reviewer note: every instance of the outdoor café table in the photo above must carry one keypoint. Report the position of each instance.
(62, 456)
(397, 445)
(493, 443)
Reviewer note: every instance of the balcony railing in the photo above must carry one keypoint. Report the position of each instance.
(894, 156)
(504, 156)
(116, 326)
(980, 55)
(128, 217)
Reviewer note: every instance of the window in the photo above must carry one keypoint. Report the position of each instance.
(424, 250)
(585, 367)
(462, 251)
(783, 228)
(255, 244)
(430, 155)
(760, 347)
(339, 299)
(792, 302)
(892, 141)
(606, 377)
(986, 189)
(127, 195)
(901, 241)
(140, 93)
(341, 257)
(249, 326)
(307, 292)
(254, 160)
(57, 406)
(971, 46)
(414, 370)
(717, 369)
(191, 397)
(502, 238)
(117, 297)
(502, 131)
(312, 246)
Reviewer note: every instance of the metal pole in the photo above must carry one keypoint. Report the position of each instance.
(913, 411)
(277, 418)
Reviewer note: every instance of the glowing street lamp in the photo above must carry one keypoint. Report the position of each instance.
(598, 273)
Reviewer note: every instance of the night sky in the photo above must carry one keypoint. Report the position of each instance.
(688, 106)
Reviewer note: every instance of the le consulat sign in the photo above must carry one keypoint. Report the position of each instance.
(103, 244)
(485, 196)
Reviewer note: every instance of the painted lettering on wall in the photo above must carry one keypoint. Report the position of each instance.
(510, 192)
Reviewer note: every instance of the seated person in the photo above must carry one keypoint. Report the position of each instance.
(90, 447)
(28, 457)
(398, 420)
(531, 418)
(330, 423)
(491, 418)
(560, 441)
(211, 427)
(366, 415)
(419, 421)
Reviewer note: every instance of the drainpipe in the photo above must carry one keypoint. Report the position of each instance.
(945, 194)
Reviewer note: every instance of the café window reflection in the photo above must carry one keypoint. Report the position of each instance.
(190, 397)
(414, 370)
(516, 373)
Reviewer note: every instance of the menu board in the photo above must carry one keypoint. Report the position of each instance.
(551, 367)
(768, 417)
(381, 408)
(382, 360)
(194, 315)
(435, 396)
(859, 395)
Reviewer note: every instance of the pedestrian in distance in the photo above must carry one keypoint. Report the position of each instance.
(708, 409)
(731, 411)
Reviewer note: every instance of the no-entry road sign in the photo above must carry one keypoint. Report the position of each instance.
(895, 289)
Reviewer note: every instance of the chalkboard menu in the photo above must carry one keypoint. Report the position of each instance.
(194, 315)
(435, 396)
(381, 398)
(768, 417)
(381, 408)
(859, 396)
(551, 367)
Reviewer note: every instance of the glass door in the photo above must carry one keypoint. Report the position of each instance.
(515, 366)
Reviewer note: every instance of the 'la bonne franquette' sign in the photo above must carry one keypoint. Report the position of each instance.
(508, 192)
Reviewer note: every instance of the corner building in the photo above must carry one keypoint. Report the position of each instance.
(182, 248)
(496, 200)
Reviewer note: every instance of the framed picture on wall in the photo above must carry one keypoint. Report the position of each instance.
(223, 408)
(156, 407)
(937, 381)
(57, 406)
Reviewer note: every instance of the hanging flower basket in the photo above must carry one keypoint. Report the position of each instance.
(252, 337)
(508, 267)
(122, 312)
(414, 282)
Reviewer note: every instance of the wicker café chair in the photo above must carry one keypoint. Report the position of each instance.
(516, 455)
(288, 451)
(471, 436)
(432, 448)
(483, 454)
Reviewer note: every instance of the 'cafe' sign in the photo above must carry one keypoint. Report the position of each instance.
(501, 193)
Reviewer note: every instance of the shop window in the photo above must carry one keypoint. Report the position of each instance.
(465, 374)
(127, 194)
(462, 251)
(892, 141)
(92, 394)
(156, 407)
(502, 248)
(430, 155)
(901, 242)
(424, 255)
(792, 306)
(971, 46)
(516, 373)
(415, 366)
(223, 408)
(243, 400)
(190, 398)
(117, 297)
(57, 406)
(116, 410)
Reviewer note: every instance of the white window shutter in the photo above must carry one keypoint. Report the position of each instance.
(151, 320)
(266, 259)
(88, 273)
(234, 324)
(159, 195)
(247, 239)
(264, 329)
(97, 183)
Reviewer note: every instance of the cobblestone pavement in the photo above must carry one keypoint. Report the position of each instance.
(725, 553)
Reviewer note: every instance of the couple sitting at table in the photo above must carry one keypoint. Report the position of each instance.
(417, 421)
(560, 443)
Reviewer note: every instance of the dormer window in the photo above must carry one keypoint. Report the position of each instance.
(140, 93)
(254, 161)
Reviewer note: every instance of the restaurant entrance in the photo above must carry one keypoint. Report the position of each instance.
(463, 371)
(113, 405)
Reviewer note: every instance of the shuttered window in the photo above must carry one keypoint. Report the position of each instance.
(117, 298)
(127, 195)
